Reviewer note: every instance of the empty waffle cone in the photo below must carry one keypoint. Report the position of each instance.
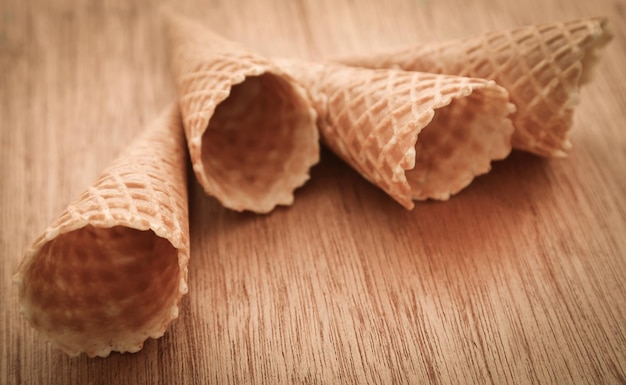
(250, 127)
(541, 66)
(415, 135)
(110, 271)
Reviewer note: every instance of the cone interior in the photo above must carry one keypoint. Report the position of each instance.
(94, 286)
(459, 143)
(254, 135)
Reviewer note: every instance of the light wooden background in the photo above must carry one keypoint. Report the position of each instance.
(520, 279)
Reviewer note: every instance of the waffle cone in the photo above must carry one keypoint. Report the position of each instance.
(250, 127)
(541, 66)
(111, 270)
(415, 135)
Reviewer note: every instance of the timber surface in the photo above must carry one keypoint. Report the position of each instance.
(519, 279)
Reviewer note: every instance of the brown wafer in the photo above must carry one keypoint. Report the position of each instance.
(110, 271)
(250, 127)
(542, 67)
(415, 135)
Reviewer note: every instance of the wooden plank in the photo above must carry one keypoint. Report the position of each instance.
(518, 279)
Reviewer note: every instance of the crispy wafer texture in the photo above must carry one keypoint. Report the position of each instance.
(250, 127)
(541, 66)
(110, 271)
(415, 135)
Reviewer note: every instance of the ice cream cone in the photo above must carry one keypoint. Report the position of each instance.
(541, 66)
(415, 135)
(110, 271)
(250, 127)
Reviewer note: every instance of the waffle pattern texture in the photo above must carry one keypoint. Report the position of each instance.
(250, 127)
(415, 135)
(420, 123)
(110, 271)
(542, 67)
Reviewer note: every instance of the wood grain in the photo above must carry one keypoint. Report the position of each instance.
(519, 279)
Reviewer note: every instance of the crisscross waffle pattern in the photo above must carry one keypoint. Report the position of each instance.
(372, 119)
(207, 68)
(121, 248)
(541, 66)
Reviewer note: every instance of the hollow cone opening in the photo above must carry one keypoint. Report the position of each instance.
(459, 143)
(255, 138)
(99, 287)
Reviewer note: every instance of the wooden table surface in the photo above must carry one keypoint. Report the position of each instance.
(520, 279)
